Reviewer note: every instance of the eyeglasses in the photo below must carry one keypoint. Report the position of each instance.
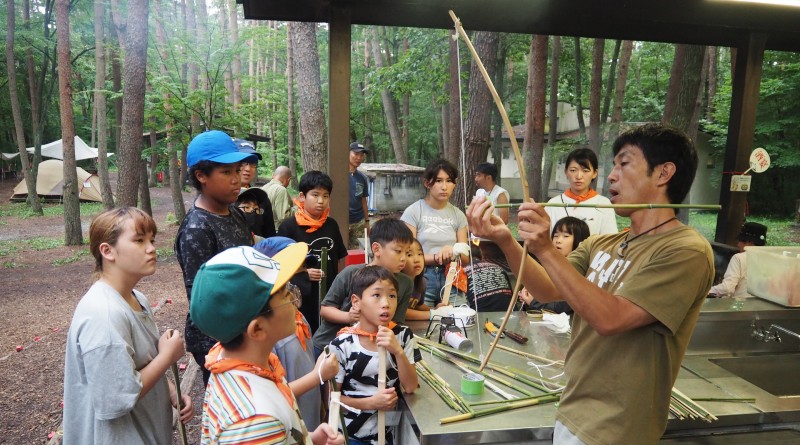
(257, 211)
(295, 297)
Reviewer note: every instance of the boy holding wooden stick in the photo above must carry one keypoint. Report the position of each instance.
(359, 349)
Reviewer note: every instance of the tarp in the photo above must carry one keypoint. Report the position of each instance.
(8, 156)
(55, 150)
(50, 183)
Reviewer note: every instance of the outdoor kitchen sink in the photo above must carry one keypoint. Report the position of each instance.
(777, 374)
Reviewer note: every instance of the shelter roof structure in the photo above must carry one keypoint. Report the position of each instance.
(750, 26)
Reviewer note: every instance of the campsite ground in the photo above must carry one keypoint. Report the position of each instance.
(41, 281)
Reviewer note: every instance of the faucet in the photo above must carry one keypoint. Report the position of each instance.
(774, 328)
(767, 335)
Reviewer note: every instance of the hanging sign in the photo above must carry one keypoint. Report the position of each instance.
(759, 163)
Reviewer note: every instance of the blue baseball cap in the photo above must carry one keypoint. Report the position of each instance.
(273, 245)
(215, 146)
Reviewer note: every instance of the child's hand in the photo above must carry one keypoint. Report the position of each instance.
(171, 344)
(328, 366)
(187, 411)
(384, 400)
(315, 274)
(445, 254)
(325, 435)
(525, 296)
(387, 339)
(355, 314)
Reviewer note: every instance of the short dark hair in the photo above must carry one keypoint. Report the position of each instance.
(661, 144)
(313, 179)
(386, 230)
(204, 166)
(368, 276)
(435, 166)
(488, 169)
(574, 226)
(584, 157)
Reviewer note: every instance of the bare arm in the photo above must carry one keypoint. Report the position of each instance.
(503, 213)
(338, 316)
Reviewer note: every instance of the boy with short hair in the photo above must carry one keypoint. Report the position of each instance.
(213, 223)
(312, 225)
(391, 239)
(241, 298)
(257, 209)
(374, 294)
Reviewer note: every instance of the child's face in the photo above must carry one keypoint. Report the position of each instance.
(222, 184)
(317, 201)
(563, 241)
(246, 173)
(415, 261)
(135, 253)
(283, 308)
(391, 256)
(377, 304)
(249, 206)
(580, 177)
(441, 187)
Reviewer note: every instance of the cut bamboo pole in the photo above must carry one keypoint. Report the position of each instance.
(619, 206)
(381, 387)
(508, 406)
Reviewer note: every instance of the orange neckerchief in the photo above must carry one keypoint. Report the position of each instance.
(218, 365)
(580, 198)
(301, 329)
(304, 219)
(359, 331)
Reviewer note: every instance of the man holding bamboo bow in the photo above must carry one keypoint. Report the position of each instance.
(636, 294)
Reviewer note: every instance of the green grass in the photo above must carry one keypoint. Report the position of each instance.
(164, 252)
(77, 255)
(39, 243)
(21, 209)
(10, 265)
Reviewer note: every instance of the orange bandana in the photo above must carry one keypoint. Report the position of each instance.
(359, 331)
(301, 329)
(304, 219)
(218, 365)
(580, 198)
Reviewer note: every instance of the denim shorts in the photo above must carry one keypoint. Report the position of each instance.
(436, 278)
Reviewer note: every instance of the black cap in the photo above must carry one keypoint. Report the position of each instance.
(358, 148)
(753, 232)
(246, 147)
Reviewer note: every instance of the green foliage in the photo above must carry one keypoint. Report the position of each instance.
(21, 209)
(11, 247)
(76, 255)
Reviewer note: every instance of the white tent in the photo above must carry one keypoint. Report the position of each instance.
(50, 184)
(55, 150)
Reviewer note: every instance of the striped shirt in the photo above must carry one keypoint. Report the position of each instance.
(242, 408)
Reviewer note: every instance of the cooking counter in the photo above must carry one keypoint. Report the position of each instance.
(723, 332)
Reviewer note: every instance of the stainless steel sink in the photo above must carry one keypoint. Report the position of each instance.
(777, 374)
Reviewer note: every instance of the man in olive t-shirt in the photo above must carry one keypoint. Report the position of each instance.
(636, 294)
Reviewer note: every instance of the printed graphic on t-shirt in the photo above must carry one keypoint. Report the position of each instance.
(605, 274)
(437, 224)
(315, 248)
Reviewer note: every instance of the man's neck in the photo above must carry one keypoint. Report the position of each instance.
(646, 219)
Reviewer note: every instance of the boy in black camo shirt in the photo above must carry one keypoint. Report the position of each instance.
(213, 223)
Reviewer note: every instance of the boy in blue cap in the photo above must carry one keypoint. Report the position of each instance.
(213, 223)
(243, 299)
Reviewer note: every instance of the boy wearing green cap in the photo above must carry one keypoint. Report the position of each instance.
(213, 223)
(241, 298)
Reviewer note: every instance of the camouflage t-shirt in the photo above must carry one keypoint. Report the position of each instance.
(201, 236)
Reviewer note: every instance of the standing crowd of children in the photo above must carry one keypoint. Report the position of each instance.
(271, 319)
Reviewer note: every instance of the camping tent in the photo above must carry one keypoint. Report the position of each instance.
(55, 150)
(50, 183)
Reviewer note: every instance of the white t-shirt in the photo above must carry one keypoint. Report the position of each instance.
(495, 193)
(435, 228)
(734, 283)
(108, 343)
(600, 221)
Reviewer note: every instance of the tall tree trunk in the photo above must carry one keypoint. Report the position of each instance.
(100, 104)
(496, 147)
(223, 25)
(291, 120)
(72, 206)
(144, 190)
(133, 92)
(619, 98)
(388, 102)
(175, 184)
(445, 127)
(37, 88)
(675, 79)
(578, 88)
(313, 129)
(610, 84)
(117, 32)
(30, 181)
(595, 94)
(533, 144)
(453, 148)
(712, 81)
(478, 122)
(683, 92)
(694, 122)
(153, 167)
(552, 130)
(236, 66)
(405, 112)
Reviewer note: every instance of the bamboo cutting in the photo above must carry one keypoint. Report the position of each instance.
(381, 387)
(619, 206)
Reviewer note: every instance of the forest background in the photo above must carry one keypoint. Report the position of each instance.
(171, 69)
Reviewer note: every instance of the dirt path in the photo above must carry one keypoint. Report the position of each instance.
(39, 290)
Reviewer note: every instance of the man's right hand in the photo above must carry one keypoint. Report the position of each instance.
(484, 223)
(534, 226)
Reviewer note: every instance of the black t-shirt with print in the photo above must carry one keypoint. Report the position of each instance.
(201, 236)
(326, 236)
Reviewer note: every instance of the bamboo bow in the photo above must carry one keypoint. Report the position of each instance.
(523, 175)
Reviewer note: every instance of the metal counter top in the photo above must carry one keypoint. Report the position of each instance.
(698, 378)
